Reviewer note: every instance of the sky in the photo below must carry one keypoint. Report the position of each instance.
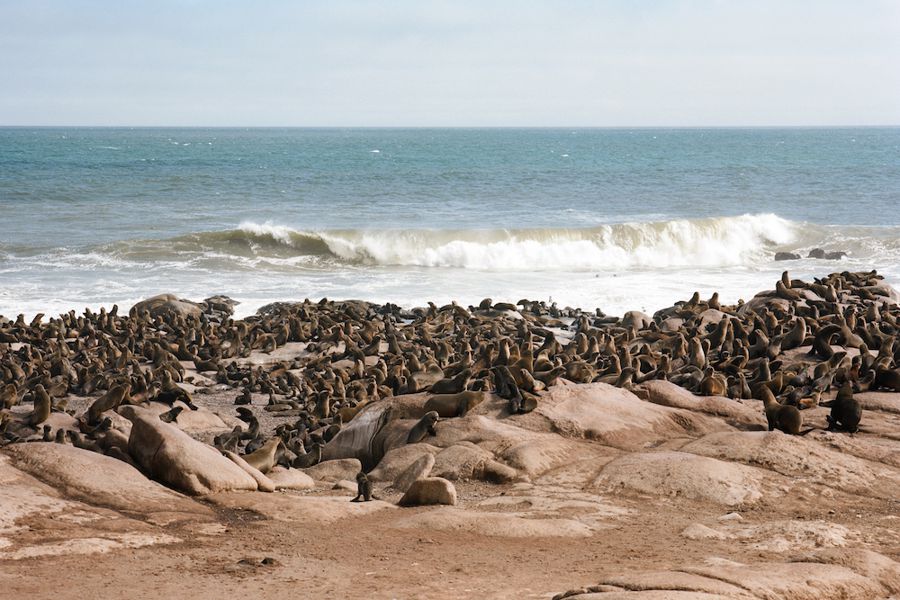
(454, 63)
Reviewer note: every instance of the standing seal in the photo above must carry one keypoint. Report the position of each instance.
(783, 417)
(846, 411)
(363, 488)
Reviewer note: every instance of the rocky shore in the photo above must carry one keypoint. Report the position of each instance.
(493, 451)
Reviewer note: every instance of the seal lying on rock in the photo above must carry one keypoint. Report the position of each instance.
(454, 405)
(424, 427)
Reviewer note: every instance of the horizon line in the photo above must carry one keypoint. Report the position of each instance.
(772, 126)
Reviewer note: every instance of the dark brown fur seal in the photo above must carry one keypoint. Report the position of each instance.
(424, 427)
(846, 411)
(363, 488)
(785, 418)
(454, 405)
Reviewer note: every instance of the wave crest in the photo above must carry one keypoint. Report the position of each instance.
(723, 241)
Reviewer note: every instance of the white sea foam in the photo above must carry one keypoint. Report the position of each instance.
(615, 267)
(723, 241)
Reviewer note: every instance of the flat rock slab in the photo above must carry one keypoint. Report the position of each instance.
(674, 581)
(733, 412)
(652, 595)
(796, 581)
(289, 507)
(841, 575)
(888, 402)
(36, 521)
(616, 417)
(800, 458)
(91, 545)
(492, 524)
(685, 475)
(98, 479)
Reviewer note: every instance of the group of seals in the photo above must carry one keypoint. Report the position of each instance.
(355, 354)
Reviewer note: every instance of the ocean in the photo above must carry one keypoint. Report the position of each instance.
(616, 219)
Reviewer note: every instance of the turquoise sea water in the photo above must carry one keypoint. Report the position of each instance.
(609, 218)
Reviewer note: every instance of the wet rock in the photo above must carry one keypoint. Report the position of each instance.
(819, 253)
(167, 306)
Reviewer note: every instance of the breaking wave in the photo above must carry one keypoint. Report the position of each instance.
(743, 241)
(710, 242)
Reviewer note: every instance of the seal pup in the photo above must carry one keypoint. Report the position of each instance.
(9, 397)
(363, 488)
(171, 415)
(313, 457)
(713, 384)
(170, 392)
(424, 427)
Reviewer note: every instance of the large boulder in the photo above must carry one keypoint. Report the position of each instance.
(290, 479)
(399, 460)
(460, 461)
(429, 490)
(174, 458)
(420, 468)
(167, 306)
(199, 420)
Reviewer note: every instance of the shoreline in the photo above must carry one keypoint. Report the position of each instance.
(248, 307)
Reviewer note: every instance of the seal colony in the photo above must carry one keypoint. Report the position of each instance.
(355, 354)
(547, 427)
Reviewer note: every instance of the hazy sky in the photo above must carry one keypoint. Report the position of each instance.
(504, 63)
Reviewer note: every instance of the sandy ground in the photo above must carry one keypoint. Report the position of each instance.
(386, 553)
